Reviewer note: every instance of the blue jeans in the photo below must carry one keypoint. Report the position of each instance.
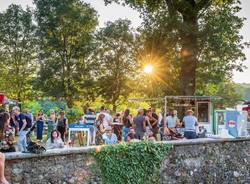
(190, 134)
(22, 140)
(39, 126)
(125, 133)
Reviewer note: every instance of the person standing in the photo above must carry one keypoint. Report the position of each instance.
(153, 122)
(117, 125)
(89, 120)
(127, 123)
(22, 129)
(162, 122)
(62, 123)
(51, 123)
(108, 118)
(100, 129)
(140, 125)
(13, 123)
(190, 124)
(39, 126)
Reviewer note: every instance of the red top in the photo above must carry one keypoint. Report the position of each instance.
(2, 96)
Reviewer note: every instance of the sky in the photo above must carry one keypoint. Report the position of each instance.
(113, 12)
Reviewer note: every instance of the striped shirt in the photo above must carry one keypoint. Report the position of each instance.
(89, 119)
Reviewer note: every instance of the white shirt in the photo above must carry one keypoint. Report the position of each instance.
(171, 121)
(107, 119)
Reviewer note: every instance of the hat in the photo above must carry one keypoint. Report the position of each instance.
(189, 110)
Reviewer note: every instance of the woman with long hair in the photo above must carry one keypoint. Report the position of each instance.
(4, 122)
(6, 134)
(127, 122)
(51, 123)
(62, 123)
(151, 124)
(39, 126)
(54, 141)
(100, 129)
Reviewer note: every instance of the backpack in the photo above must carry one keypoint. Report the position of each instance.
(35, 148)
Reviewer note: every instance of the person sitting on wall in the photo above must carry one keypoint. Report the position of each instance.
(109, 137)
(132, 138)
(6, 134)
(2, 163)
(172, 122)
(190, 124)
(151, 137)
(4, 123)
(132, 133)
(54, 141)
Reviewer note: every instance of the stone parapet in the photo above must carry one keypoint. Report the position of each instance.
(190, 161)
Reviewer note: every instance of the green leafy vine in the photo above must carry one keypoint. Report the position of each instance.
(133, 163)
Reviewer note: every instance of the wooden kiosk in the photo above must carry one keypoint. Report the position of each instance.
(201, 105)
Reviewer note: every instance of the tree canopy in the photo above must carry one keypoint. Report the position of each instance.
(58, 51)
(65, 31)
(18, 52)
(199, 40)
(116, 60)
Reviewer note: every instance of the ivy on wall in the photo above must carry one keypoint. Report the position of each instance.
(133, 163)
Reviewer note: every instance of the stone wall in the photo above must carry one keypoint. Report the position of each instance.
(208, 161)
(195, 161)
(53, 167)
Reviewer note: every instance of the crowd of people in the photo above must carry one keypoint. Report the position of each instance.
(104, 128)
(145, 125)
(16, 127)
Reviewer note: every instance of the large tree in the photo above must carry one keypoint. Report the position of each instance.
(66, 42)
(17, 52)
(116, 60)
(199, 39)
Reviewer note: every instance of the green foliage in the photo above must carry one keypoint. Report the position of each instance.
(65, 30)
(116, 60)
(73, 114)
(227, 90)
(17, 52)
(193, 45)
(33, 106)
(137, 162)
(244, 91)
(198, 42)
(47, 105)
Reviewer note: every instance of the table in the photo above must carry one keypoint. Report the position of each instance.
(82, 128)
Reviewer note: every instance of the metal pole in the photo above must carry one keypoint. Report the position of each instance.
(165, 110)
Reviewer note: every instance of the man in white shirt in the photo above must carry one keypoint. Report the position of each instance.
(107, 119)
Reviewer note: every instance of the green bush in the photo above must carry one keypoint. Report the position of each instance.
(137, 162)
(73, 114)
(34, 106)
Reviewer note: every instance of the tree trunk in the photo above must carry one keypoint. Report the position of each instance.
(114, 107)
(189, 53)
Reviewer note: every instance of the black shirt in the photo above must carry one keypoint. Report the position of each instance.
(20, 119)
